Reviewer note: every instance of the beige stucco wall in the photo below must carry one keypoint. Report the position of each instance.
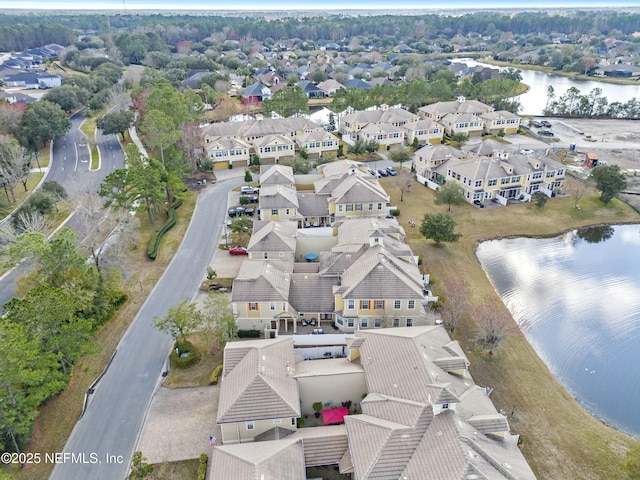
(330, 388)
(238, 432)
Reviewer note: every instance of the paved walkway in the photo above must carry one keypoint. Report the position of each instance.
(178, 424)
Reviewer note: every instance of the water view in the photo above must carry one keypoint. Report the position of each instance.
(576, 297)
(534, 100)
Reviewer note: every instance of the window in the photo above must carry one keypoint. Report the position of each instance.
(370, 206)
(339, 321)
(358, 207)
(272, 306)
(287, 211)
(411, 304)
(364, 322)
(537, 175)
(265, 255)
(379, 304)
(281, 254)
(396, 304)
(250, 426)
(409, 322)
(277, 420)
(253, 306)
(492, 182)
(349, 207)
(560, 172)
(478, 183)
(377, 322)
(351, 304)
(515, 179)
(364, 304)
(550, 174)
(505, 180)
(445, 406)
(350, 322)
(274, 211)
(396, 322)
(340, 207)
(379, 206)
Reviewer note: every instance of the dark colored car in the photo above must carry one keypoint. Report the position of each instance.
(546, 124)
(250, 198)
(391, 171)
(545, 133)
(234, 212)
(537, 124)
(238, 251)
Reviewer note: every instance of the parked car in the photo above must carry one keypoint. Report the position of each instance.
(238, 251)
(537, 124)
(248, 190)
(546, 124)
(374, 173)
(545, 133)
(234, 212)
(391, 171)
(383, 173)
(526, 151)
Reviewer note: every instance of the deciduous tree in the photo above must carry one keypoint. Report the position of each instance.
(217, 320)
(456, 302)
(449, 193)
(400, 155)
(540, 199)
(44, 121)
(609, 180)
(118, 121)
(180, 320)
(494, 324)
(286, 102)
(439, 227)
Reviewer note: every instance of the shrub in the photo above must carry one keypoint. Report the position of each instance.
(395, 212)
(215, 375)
(184, 347)
(202, 468)
(248, 333)
(154, 243)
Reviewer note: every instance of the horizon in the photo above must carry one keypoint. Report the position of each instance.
(283, 5)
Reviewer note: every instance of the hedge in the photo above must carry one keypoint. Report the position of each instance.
(215, 375)
(183, 347)
(202, 468)
(248, 333)
(154, 243)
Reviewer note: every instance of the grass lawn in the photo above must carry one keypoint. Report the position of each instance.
(184, 470)
(560, 439)
(21, 195)
(198, 374)
(88, 127)
(59, 415)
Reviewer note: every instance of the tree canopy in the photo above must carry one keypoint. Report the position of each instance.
(439, 227)
(116, 122)
(286, 102)
(44, 121)
(449, 193)
(609, 180)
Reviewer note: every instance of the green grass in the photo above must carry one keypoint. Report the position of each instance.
(560, 439)
(88, 127)
(21, 195)
(198, 374)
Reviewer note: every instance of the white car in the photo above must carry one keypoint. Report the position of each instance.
(526, 151)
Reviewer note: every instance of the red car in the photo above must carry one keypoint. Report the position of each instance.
(238, 251)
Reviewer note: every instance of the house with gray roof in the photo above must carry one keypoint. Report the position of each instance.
(259, 391)
(500, 121)
(227, 151)
(276, 175)
(278, 202)
(425, 131)
(319, 144)
(436, 111)
(272, 240)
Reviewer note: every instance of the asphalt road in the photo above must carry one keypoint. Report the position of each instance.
(114, 417)
(70, 167)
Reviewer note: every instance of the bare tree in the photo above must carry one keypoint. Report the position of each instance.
(577, 188)
(494, 324)
(456, 302)
(119, 98)
(14, 166)
(217, 321)
(191, 144)
(406, 182)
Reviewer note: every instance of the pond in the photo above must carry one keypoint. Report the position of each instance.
(576, 298)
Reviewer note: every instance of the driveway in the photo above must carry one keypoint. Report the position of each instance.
(178, 424)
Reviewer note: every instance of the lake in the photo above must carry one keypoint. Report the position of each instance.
(576, 298)
(535, 99)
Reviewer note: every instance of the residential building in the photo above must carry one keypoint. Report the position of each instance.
(278, 203)
(500, 121)
(318, 144)
(33, 81)
(436, 111)
(227, 151)
(463, 124)
(425, 131)
(426, 159)
(271, 148)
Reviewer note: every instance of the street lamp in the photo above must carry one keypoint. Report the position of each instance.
(36, 154)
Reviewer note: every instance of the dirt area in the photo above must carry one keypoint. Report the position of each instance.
(178, 424)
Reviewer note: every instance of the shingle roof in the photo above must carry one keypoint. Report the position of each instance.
(261, 384)
(276, 174)
(281, 460)
(262, 281)
(324, 445)
(278, 196)
(255, 128)
(379, 116)
(273, 237)
(312, 205)
(356, 189)
(311, 292)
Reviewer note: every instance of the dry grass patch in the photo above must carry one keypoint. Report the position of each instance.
(560, 439)
(198, 374)
(59, 415)
(183, 470)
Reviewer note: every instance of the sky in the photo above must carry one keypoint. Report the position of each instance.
(132, 5)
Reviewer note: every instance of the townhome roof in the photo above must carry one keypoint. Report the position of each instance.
(424, 124)
(378, 274)
(312, 205)
(260, 385)
(340, 258)
(283, 460)
(453, 118)
(379, 128)
(278, 196)
(356, 189)
(276, 174)
(262, 281)
(391, 115)
(254, 90)
(475, 168)
(341, 167)
(374, 230)
(273, 237)
(456, 106)
(317, 136)
(311, 292)
(226, 143)
(254, 128)
(487, 147)
(499, 114)
(438, 152)
(329, 86)
(268, 140)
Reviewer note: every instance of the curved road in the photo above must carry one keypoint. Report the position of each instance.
(108, 431)
(69, 166)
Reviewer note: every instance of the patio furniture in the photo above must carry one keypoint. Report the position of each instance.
(304, 323)
(313, 322)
